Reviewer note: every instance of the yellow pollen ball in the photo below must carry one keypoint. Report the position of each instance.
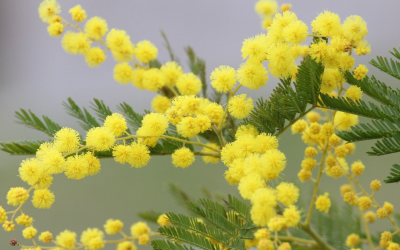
(304, 175)
(327, 129)
(163, 220)
(223, 78)
(308, 164)
(55, 29)
(364, 203)
(48, 9)
(188, 84)
(287, 193)
(160, 104)
(354, 93)
(126, 245)
(3, 215)
(351, 198)
(360, 72)
(341, 151)
(29, 233)
(352, 240)
(343, 121)
(172, 72)
(323, 203)
(357, 168)
(116, 122)
(24, 220)
(299, 126)
(350, 147)
(94, 57)
(46, 237)
(145, 51)
(139, 229)
(123, 73)
(113, 226)
(381, 213)
(17, 195)
(252, 75)
(42, 198)
(313, 117)
(345, 188)
(334, 140)
(140, 156)
(66, 239)
(9, 226)
(76, 43)
(310, 152)
(315, 128)
(388, 207)
(78, 14)
(101, 138)
(240, 107)
(183, 158)
(370, 217)
(96, 27)
(375, 185)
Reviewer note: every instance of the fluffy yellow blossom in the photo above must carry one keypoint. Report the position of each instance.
(123, 73)
(354, 93)
(265, 244)
(140, 156)
(66, 239)
(287, 193)
(310, 152)
(52, 160)
(326, 24)
(138, 77)
(95, 56)
(266, 7)
(183, 157)
(145, 51)
(66, 140)
(188, 84)
(327, 129)
(277, 223)
(350, 147)
(351, 198)
(116, 122)
(304, 175)
(139, 228)
(240, 107)
(286, 7)
(55, 29)
(160, 104)
(255, 48)
(188, 127)
(249, 184)
(153, 79)
(24, 220)
(375, 185)
(352, 240)
(126, 245)
(78, 13)
(299, 126)
(113, 226)
(318, 51)
(93, 163)
(172, 72)
(262, 211)
(76, 167)
(163, 220)
(275, 162)
(343, 121)
(3, 215)
(393, 246)
(315, 128)
(357, 168)
(9, 226)
(31, 170)
(381, 213)
(340, 44)
(388, 207)
(116, 40)
(42, 198)
(313, 117)
(364, 203)
(252, 75)
(330, 80)
(299, 50)
(341, 151)
(281, 60)
(246, 130)
(363, 48)
(223, 78)
(323, 203)
(48, 9)
(265, 143)
(236, 171)
(370, 217)
(101, 138)
(29, 233)
(346, 61)
(96, 27)
(345, 188)
(262, 233)
(155, 123)
(334, 140)
(143, 239)
(75, 43)
(215, 112)
(90, 237)
(386, 236)
(17, 195)
(96, 243)
(308, 164)
(360, 72)
(354, 28)
(292, 216)
(296, 32)
(46, 237)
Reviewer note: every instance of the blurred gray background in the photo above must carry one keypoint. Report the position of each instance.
(37, 74)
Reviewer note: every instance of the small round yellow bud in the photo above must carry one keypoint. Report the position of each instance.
(262, 233)
(330, 161)
(357, 168)
(327, 129)
(334, 140)
(285, 246)
(285, 7)
(144, 239)
(163, 220)
(345, 188)
(388, 207)
(364, 203)
(386, 236)
(299, 126)
(308, 164)
(311, 152)
(315, 128)
(375, 185)
(304, 175)
(381, 213)
(265, 244)
(370, 217)
(351, 198)
(352, 240)
(313, 117)
(351, 147)
(341, 151)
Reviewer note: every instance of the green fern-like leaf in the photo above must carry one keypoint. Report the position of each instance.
(101, 109)
(387, 145)
(85, 119)
(239, 206)
(29, 119)
(198, 67)
(150, 216)
(394, 174)
(168, 245)
(390, 66)
(182, 235)
(133, 119)
(21, 147)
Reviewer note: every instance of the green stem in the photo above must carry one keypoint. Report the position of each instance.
(292, 122)
(307, 229)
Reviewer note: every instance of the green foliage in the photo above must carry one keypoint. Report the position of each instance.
(21, 147)
(390, 66)
(29, 119)
(394, 174)
(288, 103)
(198, 67)
(150, 216)
(85, 119)
(132, 118)
(101, 109)
(166, 244)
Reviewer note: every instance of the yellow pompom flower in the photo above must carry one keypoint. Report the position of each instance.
(75, 43)
(145, 51)
(101, 138)
(96, 27)
(304, 175)
(52, 160)
(388, 207)
(363, 48)
(266, 8)
(76, 167)
(381, 213)
(89, 237)
(95, 56)
(139, 229)
(188, 84)
(375, 185)
(364, 203)
(246, 130)
(370, 217)
(281, 60)
(334, 140)
(296, 32)
(318, 51)
(78, 14)
(66, 239)
(345, 188)
(183, 158)
(46, 237)
(29, 233)
(252, 75)
(240, 107)
(299, 126)
(48, 9)
(116, 122)
(287, 193)
(117, 40)
(315, 128)
(331, 79)
(42, 198)
(351, 198)
(140, 156)
(123, 73)
(223, 78)
(172, 72)
(24, 220)
(93, 163)
(262, 233)
(160, 104)
(263, 201)
(275, 162)
(354, 93)
(153, 80)
(292, 216)
(148, 140)
(323, 203)
(249, 184)
(126, 245)
(163, 220)
(326, 24)
(255, 48)
(17, 195)
(30, 170)
(343, 121)
(308, 164)
(9, 226)
(215, 112)
(341, 151)
(55, 29)
(113, 226)
(360, 72)
(277, 223)
(245, 145)
(137, 77)
(66, 140)
(265, 244)
(143, 239)
(354, 28)
(393, 246)
(155, 123)
(310, 152)
(265, 143)
(352, 240)
(313, 117)
(299, 50)
(122, 153)
(357, 168)
(327, 129)
(3, 215)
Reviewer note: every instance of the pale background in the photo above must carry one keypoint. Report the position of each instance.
(37, 74)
